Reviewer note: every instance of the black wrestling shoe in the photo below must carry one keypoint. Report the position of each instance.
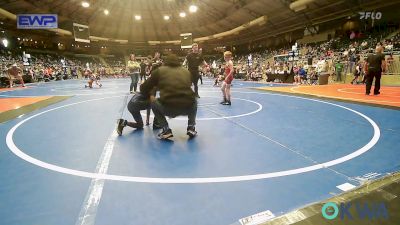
(227, 103)
(377, 93)
(191, 132)
(165, 134)
(121, 125)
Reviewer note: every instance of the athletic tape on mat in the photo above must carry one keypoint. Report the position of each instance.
(87, 216)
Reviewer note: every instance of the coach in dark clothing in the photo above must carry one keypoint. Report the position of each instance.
(375, 65)
(176, 96)
(194, 60)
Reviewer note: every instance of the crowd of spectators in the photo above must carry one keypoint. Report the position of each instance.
(336, 57)
(50, 66)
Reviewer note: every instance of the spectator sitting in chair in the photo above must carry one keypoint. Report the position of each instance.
(15, 73)
(301, 75)
(269, 70)
(313, 76)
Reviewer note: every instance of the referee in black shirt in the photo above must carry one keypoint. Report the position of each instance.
(156, 62)
(375, 65)
(193, 60)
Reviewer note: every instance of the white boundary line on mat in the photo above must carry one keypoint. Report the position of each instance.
(190, 180)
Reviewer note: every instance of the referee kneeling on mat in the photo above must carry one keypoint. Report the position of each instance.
(176, 96)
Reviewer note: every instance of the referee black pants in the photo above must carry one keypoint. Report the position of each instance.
(370, 77)
(195, 80)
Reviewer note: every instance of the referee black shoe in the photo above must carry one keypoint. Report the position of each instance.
(191, 131)
(165, 134)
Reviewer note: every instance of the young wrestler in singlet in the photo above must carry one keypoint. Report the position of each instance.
(226, 86)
